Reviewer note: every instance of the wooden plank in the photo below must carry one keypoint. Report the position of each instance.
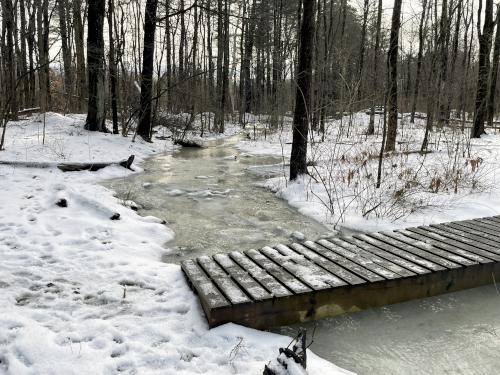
(210, 296)
(290, 281)
(242, 278)
(328, 265)
(426, 264)
(496, 219)
(380, 265)
(232, 291)
(341, 261)
(478, 255)
(468, 258)
(407, 268)
(492, 225)
(470, 240)
(272, 285)
(308, 272)
(480, 231)
(491, 221)
(485, 224)
(471, 236)
(453, 258)
(471, 229)
(301, 260)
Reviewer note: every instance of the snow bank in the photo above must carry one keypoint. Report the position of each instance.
(457, 180)
(83, 294)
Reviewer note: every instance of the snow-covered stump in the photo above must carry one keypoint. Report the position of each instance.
(290, 361)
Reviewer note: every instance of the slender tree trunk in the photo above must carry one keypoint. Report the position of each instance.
(298, 159)
(219, 113)
(9, 60)
(81, 78)
(392, 124)
(96, 114)
(484, 67)
(145, 127)
(66, 52)
(494, 72)
(421, 35)
(113, 72)
(24, 61)
(376, 58)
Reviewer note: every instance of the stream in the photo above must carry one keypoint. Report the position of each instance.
(210, 197)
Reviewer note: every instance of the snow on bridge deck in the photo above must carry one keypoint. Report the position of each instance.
(288, 284)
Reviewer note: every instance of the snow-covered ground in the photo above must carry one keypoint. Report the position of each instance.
(83, 294)
(457, 180)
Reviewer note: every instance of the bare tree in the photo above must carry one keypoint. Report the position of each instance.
(298, 159)
(484, 66)
(144, 128)
(96, 114)
(392, 124)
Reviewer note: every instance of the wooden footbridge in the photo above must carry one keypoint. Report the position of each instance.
(288, 284)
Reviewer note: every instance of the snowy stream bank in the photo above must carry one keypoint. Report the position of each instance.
(82, 294)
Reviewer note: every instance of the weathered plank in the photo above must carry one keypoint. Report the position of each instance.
(341, 248)
(232, 292)
(476, 254)
(328, 265)
(468, 257)
(286, 278)
(242, 278)
(272, 285)
(473, 229)
(303, 273)
(306, 268)
(396, 264)
(496, 219)
(471, 242)
(456, 259)
(426, 264)
(209, 295)
(462, 232)
(393, 240)
(490, 222)
(340, 260)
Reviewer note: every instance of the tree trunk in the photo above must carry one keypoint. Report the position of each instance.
(9, 60)
(66, 52)
(376, 57)
(484, 67)
(494, 72)
(392, 124)
(96, 115)
(81, 78)
(421, 35)
(113, 73)
(298, 159)
(145, 126)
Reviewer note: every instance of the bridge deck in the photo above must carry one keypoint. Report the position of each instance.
(298, 282)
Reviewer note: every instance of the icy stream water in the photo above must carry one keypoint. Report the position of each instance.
(210, 199)
(456, 333)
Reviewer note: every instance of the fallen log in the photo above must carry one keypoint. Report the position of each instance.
(187, 143)
(70, 167)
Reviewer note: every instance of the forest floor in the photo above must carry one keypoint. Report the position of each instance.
(457, 179)
(83, 294)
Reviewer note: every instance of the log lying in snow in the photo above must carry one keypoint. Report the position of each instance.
(187, 143)
(70, 167)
